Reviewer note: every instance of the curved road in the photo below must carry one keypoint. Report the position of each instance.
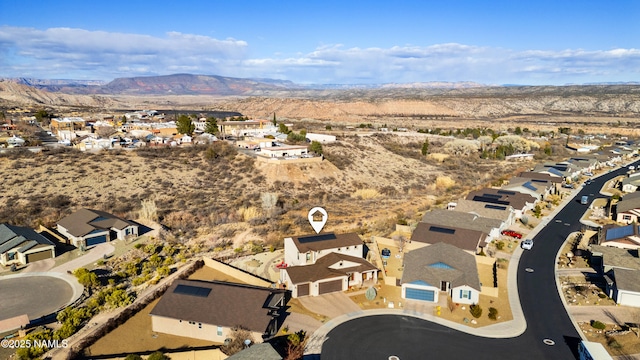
(378, 337)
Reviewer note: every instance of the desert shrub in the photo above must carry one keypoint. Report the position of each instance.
(238, 335)
(444, 182)
(602, 295)
(133, 357)
(598, 325)
(86, 278)
(613, 343)
(476, 310)
(493, 313)
(500, 245)
(365, 194)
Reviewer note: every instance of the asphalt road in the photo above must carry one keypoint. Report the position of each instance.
(378, 337)
(32, 295)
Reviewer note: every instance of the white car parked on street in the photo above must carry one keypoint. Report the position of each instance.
(527, 244)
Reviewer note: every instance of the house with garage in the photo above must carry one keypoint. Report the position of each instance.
(504, 213)
(538, 189)
(621, 271)
(324, 263)
(520, 202)
(627, 210)
(440, 269)
(564, 169)
(468, 221)
(22, 245)
(471, 241)
(631, 182)
(209, 310)
(85, 228)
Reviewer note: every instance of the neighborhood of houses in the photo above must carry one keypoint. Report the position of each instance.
(439, 259)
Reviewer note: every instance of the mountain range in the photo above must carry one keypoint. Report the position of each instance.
(190, 84)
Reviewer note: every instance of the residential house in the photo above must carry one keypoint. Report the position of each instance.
(22, 245)
(585, 163)
(627, 210)
(284, 151)
(624, 237)
(323, 263)
(542, 178)
(564, 169)
(468, 240)
(631, 182)
(245, 128)
(520, 202)
(321, 138)
(209, 310)
(87, 227)
(504, 213)
(621, 270)
(462, 220)
(15, 141)
(261, 351)
(69, 124)
(437, 268)
(537, 188)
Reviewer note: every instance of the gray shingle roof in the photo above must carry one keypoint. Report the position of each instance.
(481, 209)
(462, 238)
(461, 220)
(501, 196)
(627, 279)
(627, 204)
(441, 262)
(26, 238)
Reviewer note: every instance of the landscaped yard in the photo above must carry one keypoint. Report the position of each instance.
(617, 341)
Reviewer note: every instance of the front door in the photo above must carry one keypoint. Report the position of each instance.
(444, 285)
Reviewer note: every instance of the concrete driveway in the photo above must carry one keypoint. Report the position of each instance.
(94, 254)
(40, 266)
(331, 305)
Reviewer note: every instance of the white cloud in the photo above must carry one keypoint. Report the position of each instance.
(78, 53)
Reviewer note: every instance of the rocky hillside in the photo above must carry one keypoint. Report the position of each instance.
(18, 95)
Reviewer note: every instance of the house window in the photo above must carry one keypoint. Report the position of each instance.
(626, 217)
(308, 256)
(219, 330)
(12, 255)
(199, 325)
(465, 294)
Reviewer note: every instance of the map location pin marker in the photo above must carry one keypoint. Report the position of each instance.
(317, 218)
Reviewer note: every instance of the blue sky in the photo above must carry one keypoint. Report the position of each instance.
(337, 42)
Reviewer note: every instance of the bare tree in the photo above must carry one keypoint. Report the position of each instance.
(400, 241)
(237, 340)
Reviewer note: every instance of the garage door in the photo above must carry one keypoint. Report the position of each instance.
(38, 256)
(420, 294)
(330, 286)
(303, 289)
(96, 240)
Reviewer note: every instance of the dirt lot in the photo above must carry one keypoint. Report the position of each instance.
(617, 341)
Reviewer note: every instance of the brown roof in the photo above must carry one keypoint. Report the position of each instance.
(464, 239)
(321, 269)
(84, 221)
(219, 303)
(501, 197)
(325, 241)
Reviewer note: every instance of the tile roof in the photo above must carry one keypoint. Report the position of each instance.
(323, 269)
(324, 241)
(218, 303)
(84, 221)
(425, 264)
(461, 238)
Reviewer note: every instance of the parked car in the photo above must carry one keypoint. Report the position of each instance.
(527, 244)
(588, 174)
(584, 200)
(567, 186)
(512, 233)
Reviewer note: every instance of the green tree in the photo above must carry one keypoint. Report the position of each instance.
(157, 356)
(274, 120)
(86, 278)
(282, 128)
(316, 147)
(425, 147)
(133, 357)
(185, 125)
(518, 131)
